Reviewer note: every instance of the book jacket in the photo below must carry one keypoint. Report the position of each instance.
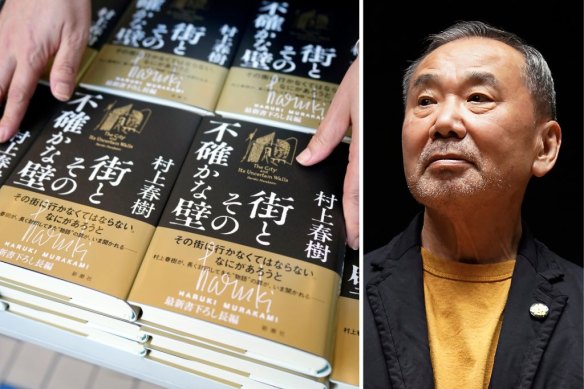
(346, 355)
(38, 113)
(175, 50)
(83, 202)
(290, 62)
(250, 239)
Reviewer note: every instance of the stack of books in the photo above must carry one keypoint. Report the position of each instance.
(79, 209)
(154, 215)
(245, 259)
(291, 59)
(174, 52)
(345, 374)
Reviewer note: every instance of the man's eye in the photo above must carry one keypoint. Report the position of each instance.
(478, 98)
(423, 101)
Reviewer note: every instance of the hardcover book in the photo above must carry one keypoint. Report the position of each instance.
(72, 324)
(230, 377)
(104, 16)
(292, 57)
(173, 52)
(16, 296)
(41, 105)
(209, 363)
(345, 373)
(249, 250)
(78, 211)
(163, 348)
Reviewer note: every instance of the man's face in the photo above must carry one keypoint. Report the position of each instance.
(469, 132)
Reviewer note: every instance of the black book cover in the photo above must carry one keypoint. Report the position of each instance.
(176, 51)
(40, 107)
(250, 239)
(83, 202)
(290, 61)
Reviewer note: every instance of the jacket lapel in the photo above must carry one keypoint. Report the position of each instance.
(396, 295)
(523, 338)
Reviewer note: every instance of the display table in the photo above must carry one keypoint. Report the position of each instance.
(96, 353)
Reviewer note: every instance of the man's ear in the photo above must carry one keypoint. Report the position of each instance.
(549, 141)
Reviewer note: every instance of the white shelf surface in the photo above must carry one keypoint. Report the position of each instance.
(99, 354)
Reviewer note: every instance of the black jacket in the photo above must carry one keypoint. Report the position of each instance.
(532, 353)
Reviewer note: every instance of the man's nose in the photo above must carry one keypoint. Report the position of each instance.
(449, 120)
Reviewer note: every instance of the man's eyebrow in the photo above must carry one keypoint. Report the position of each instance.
(482, 78)
(475, 77)
(424, 80)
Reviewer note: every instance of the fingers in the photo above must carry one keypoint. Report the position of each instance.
(21, 89)
(66, 65)
(64, 71)
(31, 32)
(351, 186)
(18, 67)
(327, 137)
(340, 115)
(18, 82)
(330, 132)
(351, 203)
(6, 72)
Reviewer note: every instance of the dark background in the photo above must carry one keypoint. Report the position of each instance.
(553, 207)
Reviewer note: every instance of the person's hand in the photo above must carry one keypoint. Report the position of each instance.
(342, 113)
(31, 33)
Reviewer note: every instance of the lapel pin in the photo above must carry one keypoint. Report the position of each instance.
(539, 310)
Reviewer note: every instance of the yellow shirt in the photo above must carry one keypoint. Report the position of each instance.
(464, 309)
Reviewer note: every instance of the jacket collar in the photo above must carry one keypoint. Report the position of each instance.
(396, 295)
(523, 338)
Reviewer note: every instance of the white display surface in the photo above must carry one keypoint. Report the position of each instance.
(93, 352)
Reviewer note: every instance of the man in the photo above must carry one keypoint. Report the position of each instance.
(465, 297)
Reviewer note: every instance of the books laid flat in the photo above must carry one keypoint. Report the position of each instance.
(104, 16)
(345, 372)
(291, 59)
(228, 376)
(165, 345)
(70, 324)
(78, 211)
(248, 253)
(64, 315)
(41, 104)
(173, 52)
(224, 375)
(210, 363)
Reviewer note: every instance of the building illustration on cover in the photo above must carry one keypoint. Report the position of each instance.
(270, 150)
(124, 120)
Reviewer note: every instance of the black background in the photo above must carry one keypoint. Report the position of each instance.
(553, 207)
